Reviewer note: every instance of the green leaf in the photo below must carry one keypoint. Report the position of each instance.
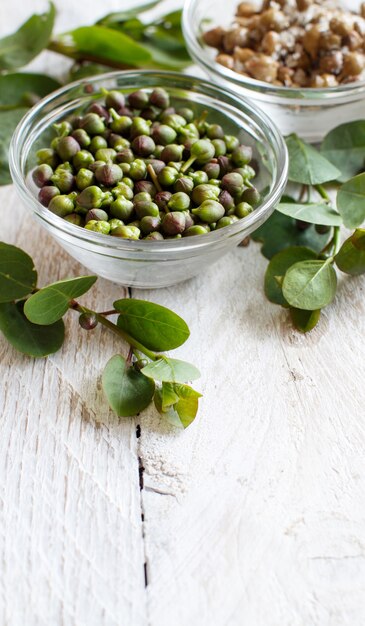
(8, 122)
(310, 285)
(153, 325)
(307, 165)
(280, 232)
(345, 148)
(101, 45)
(313, 213)
(128, 391)
(171, 370)
(17, 274)
(351, 201)
(178, 404)
(304, 321)
(51, 303)
(15, 89)
(26, 337)
(278, 267)
(28, 41)
(351, 257)
(122, 16)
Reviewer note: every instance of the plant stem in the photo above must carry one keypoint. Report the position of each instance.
(323, 193)
(187, 164)
(106, 313)
(154, 178)
(115, 329)
(336, 240)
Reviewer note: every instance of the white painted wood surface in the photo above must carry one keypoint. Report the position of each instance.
(255, 516)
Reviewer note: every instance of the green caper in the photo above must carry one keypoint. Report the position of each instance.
(209, 211)
(96, 226)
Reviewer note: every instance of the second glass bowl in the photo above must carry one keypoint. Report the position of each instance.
(311, 113)
(151, 264)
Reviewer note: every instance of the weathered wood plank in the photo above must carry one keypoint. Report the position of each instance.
(254, 515)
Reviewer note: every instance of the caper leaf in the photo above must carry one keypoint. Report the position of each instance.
(17, 89)
(153, 325)
(21, 47)
(178, 404)
(280, 232)
(310, 285)
(304, 321)
(26, 337)
(313, 213)
(306, 165)
(344, 146)
(51, 303)
(171, 370)
(351, 201)
(351, 257)
(102, 45)
(127, 391)
(278, 267)
(8, 122)
(17, 274)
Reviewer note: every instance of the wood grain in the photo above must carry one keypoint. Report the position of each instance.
(254, 516)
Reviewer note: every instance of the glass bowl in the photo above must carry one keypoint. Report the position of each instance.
(311, 113)
(150, 264)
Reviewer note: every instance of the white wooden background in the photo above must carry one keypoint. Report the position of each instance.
(252, 517)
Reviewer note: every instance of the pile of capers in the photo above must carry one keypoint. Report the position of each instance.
(137, 168)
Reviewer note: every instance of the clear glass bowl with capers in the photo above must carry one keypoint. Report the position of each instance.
(146, 262)
(310, 104)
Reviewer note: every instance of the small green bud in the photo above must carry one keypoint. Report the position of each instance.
(108, 155)
(168, 176)
(149, 224)
(219, 147)
(123, 189)
(83, 158)
(243, 209)
(97, 215)
(140, 127)
(67, 147)
(163, 134)
(155, 236)
(198, 229)
(84, 178)
(92, 124)
(209, 211)
(114, 99)
(179, 201)
(241, 155)
(227, 220)
(127, 232)
(75, 218)
(121, 208)
(172, 152)
(232, 142)
(252, 196)
(47, 156)
(81, 137)
(61, 206)
(215, 131)
(64, 180)
(91, 197)
(205, 192)
(97, 143)
(96, 226)
(138, 170)
(115, 223)
(47, 193)
(233, 183)
(199, 177)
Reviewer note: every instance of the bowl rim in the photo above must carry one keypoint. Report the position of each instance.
(313, 94)
(118, 244)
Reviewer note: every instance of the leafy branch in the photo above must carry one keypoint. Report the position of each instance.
(31, 319)
(119, 40)
(302, 239)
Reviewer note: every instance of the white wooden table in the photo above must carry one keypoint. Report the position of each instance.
(254, 516)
